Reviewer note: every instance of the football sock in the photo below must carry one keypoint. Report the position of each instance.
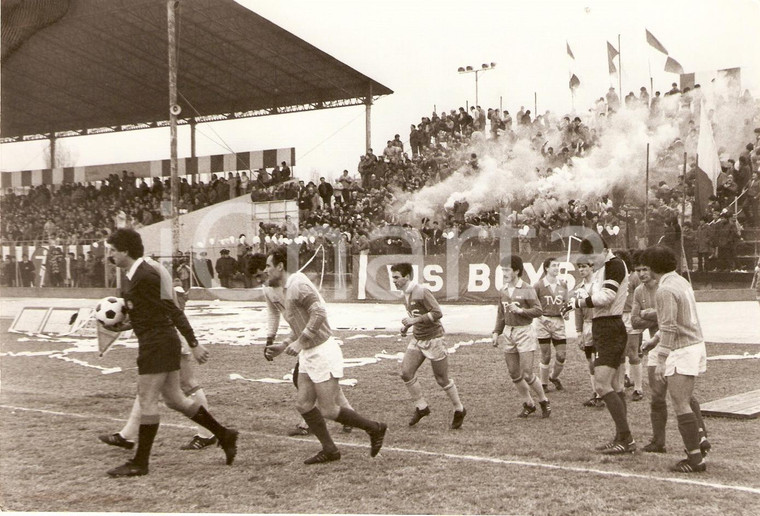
(318, 427)
(559, 365)
(593, 384)
(627, 367)
(636, 377)
(698, 414)
(206, 420)
(659, 418)
(543, 373)
(687, 426)
(537, 388)
(201, 397)
(349, 417)
(415, 391)
(146, 435)
(617, 410)
(132, 426)
(453, 393)
(621, 394)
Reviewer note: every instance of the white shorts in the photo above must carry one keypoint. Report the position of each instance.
(433, 349)
(550, 328)
(518, 339)
(322, 362)
(688, 361)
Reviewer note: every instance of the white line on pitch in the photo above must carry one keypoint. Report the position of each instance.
(454, 456)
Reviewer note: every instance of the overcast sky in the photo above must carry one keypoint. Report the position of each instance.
(414, 47)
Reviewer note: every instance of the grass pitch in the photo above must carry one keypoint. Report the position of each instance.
(52, 411)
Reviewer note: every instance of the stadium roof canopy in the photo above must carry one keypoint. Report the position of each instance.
(72, 67)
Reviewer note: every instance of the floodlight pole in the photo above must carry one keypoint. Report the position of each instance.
(171, 11)
(469, 69)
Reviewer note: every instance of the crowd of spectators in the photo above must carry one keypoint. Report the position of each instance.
(355, 204)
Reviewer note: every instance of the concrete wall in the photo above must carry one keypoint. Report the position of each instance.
(206, 227)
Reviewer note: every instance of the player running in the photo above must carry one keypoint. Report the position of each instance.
(320, 358)
(424, 315)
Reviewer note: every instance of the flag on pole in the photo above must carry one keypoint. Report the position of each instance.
(673, 66)
(574, 82)
(708, 164)
(106, 338)
(569, 52)
(611, 54)
(654, 43)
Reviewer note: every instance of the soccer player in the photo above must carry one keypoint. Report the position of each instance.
(256, 267)
(607, 296)
(681, 353)
(633, 344)
(517, 307)
(550, 327)
(424, 315)
(320, 358)
(154, 319)
(583, 328)
(644, 317)
(125, 438)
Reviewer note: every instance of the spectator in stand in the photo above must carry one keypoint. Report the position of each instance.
(325, 191)
(245, 184)
(285, 172)
(613, 101)
(348, 185)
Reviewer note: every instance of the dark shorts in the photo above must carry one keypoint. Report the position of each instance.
(610, 339)
(590, 351)
(159, 350)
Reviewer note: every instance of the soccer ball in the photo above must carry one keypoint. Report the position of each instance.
(111, 311)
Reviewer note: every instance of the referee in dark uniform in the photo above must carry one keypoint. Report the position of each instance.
(153, 317)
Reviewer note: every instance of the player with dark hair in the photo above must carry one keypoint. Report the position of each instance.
(518, 306)
(583, 319)
(320, 358)
(550, 327)
(609, 289)
(424, 315)
(681, 352)
(256, 268)
(153, 318)
(644, 317)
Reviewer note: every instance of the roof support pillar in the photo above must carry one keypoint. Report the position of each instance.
(52, 149)
(368, 129)
(171, 12)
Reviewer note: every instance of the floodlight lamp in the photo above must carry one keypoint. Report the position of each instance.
(460, 69)
(484, 66)
(493, 65)
(469, 68)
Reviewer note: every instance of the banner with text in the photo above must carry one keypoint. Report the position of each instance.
(453, 277)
